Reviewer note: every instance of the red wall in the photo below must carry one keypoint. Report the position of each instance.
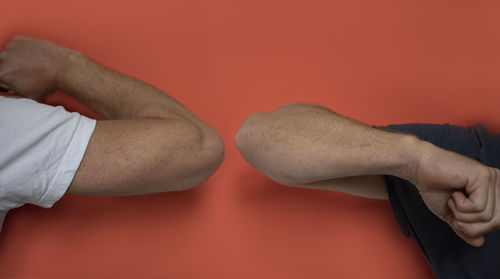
(380, 62)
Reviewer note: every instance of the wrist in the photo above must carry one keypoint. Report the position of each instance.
(70, 61)
(410, 152)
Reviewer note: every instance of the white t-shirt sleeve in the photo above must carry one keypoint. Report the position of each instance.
(42, 147)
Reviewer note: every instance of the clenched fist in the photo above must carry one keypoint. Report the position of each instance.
(32, 67)
(462, 192)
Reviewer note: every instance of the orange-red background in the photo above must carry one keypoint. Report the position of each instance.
(380, 62)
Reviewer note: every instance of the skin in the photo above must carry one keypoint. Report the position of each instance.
(147, 142)
(306, 145)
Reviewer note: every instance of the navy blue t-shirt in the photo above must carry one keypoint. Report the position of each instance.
(448, 255)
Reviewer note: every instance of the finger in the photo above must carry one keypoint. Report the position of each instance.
(473, 241)
(481, 202)
(473, 217)
(483, 190)
(474, 229)
(464, 204)
(477, 198)
(461, 216)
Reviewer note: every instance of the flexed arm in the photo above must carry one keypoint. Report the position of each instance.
(310, 146)
(148, 142)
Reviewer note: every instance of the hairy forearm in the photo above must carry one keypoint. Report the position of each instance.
(113, 95)
(301, 144)
(310, 146)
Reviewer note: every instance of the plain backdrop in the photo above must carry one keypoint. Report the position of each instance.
(380, 62)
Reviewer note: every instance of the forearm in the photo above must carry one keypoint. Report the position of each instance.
(309, 146)
(302, 144)
(113, 95)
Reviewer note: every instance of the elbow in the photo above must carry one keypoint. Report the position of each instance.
(248, 139)
(263, 149)
(203, 153)
(212, 147)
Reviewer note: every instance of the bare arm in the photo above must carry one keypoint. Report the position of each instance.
(303, 144)
(149, 142)
(307, 145)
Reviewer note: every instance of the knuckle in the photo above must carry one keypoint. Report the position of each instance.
(493, 172)
(485, 174)
(491, 176)
(487, 171)
(9, 46)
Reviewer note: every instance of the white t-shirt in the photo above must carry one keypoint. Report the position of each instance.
(41, 149)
